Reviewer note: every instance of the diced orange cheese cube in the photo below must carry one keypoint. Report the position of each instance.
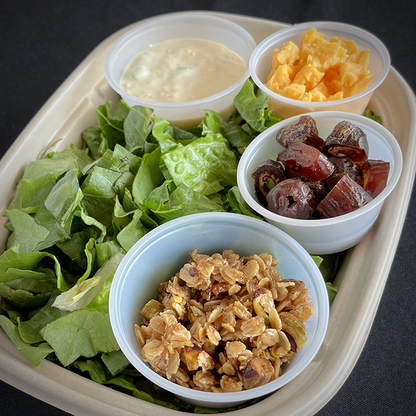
(320, 93)
(280, 78)
(349, 45)
(328, 55)
(285, 56)
(309, 76)
(317, 96)
(311, 39)
(337, 96)
(350, 73)
(361, 58)
(360, 86)
(294, 91)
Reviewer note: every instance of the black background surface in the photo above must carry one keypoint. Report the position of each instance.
(42, 42)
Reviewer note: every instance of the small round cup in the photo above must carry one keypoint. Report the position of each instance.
(189, 25)
(161, 253)
(261, 65)
(329, 235)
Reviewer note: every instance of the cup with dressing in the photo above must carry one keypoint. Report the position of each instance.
(181, 65)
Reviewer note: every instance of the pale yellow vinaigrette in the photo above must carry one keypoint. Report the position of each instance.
(180, 70)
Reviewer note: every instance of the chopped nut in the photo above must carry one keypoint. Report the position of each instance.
(152, 308)
(257, 373)
(274, 319)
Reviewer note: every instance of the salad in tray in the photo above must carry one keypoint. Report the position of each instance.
(76, 213)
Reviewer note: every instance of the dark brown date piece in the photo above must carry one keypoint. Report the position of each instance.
(342, 166)
(347, 139)
(346, 196)
(304, 161)
(320, 190)
(266, 176)
(375, 174)
(291, 198)
(304, 130)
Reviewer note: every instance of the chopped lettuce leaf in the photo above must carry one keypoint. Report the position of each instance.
(252, 104)
(92, 138)
(206, 165)
(22, 298)
(112, 130)
(85, 332)
(32, 192)
(238, 205)
(137, 127)
(233, 132)
(29, 330)
(34, 353)
(80, 333)
(149, 176)
(28, 234)
(181, 201)
(82, 293)
(115, 361)
(372, 115)
(332, 291)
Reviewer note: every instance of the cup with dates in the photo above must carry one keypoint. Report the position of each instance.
(321, 177)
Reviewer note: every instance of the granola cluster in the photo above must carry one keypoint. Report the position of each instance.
(224, 323)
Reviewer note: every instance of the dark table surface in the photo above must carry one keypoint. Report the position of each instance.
(42, 42)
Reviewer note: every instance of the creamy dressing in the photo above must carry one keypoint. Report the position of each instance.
(180, 70)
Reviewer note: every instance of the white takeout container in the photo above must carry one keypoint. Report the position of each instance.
(361, 279)
(261, 65)
(161, 253)
(190, 25)
(329, 235)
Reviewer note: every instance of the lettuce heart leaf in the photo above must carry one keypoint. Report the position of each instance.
(206, 165)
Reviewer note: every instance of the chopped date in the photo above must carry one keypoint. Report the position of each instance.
(292, 198)
(266, 176)
(375, 174)
(304, 161)
(304, 130)
(320, 190)
(347, 139)
(346, 196)
(309, 180)
(343, 165)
